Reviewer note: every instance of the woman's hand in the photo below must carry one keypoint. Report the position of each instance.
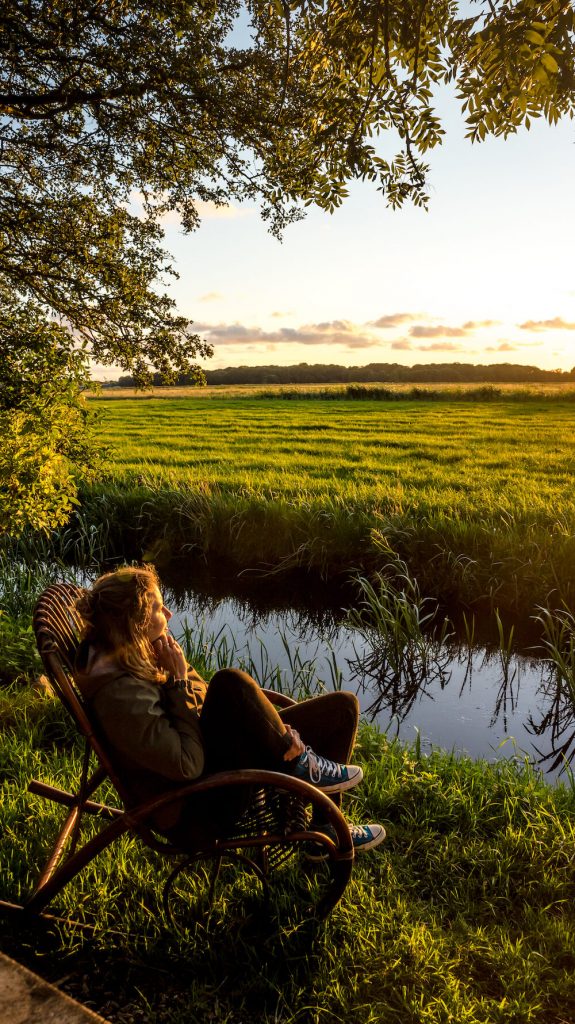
(170, 656)
(297, 744)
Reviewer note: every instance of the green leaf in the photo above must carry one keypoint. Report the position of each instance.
(549, 63)
(540, 74)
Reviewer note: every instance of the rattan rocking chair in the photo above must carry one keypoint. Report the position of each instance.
(270, 831)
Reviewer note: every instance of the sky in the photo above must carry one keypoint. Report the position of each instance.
(486, 275)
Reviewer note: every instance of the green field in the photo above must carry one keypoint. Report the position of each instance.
(477, 498)
(443, 458)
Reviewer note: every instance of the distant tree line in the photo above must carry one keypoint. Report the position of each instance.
(388, 373)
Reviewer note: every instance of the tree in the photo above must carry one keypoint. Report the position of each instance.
(100, 103)
(45, 426)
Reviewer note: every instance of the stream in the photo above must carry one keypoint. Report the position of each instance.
(468, 700)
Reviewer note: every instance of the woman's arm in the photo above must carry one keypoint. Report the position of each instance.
(159, 732)
(297, 744)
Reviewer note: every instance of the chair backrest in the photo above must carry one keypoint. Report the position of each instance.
(57, 627)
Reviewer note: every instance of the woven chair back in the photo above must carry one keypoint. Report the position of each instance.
(57, 627)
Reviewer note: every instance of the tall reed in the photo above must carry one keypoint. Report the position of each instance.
(558, 721)
(209, 652)
(405, 642)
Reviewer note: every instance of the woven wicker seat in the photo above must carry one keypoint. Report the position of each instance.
(271, 830)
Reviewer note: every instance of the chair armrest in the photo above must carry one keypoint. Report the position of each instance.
(138, 816)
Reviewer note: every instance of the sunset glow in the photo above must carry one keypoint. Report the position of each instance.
(484, 276)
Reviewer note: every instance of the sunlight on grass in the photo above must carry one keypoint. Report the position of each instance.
(466, 914)
(476, 498)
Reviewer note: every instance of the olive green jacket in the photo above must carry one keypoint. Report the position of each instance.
(152, 734)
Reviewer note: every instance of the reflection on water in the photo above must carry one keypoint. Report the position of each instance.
(554, 727)
(480, 702)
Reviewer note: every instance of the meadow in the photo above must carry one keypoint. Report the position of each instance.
(474, 498)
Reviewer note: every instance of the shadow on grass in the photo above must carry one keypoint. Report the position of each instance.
(245, 967)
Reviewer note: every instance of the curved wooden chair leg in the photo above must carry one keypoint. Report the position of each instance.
(337, 866)
(340, 875)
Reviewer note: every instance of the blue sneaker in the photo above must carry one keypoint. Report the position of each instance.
(328, 776)
(363, 837)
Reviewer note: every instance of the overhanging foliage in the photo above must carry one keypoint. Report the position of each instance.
(104, 103)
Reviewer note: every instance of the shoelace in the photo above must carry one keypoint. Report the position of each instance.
(319, 766)
(359, 832)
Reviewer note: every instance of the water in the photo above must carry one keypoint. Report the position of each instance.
(471, 702)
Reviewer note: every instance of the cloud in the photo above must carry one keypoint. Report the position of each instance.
(423, 331)
(335, 325)
(556, 324)
(210, 211)
(331, 332)
(405, 345)
(210, 297)
(361, 341)
(280, 313)
(345, 334)
(394, 320)
(505, 346)
(440, 331)
(472, 325)
(431, 330)
(206, 210)
(441, 346)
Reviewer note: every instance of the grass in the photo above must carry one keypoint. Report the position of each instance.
(406, 452)
(476, 498)
(466, 914)
(21, 582)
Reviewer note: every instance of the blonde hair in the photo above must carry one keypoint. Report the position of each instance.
(116, 613)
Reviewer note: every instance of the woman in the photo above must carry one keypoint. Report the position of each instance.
(165, 726)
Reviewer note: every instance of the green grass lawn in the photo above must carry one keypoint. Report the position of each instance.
(466, 914)
(455, 459)
(476, 498)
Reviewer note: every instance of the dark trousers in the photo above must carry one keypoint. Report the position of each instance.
(242, 729)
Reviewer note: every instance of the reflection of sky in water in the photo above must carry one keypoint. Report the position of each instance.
(472, 712)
